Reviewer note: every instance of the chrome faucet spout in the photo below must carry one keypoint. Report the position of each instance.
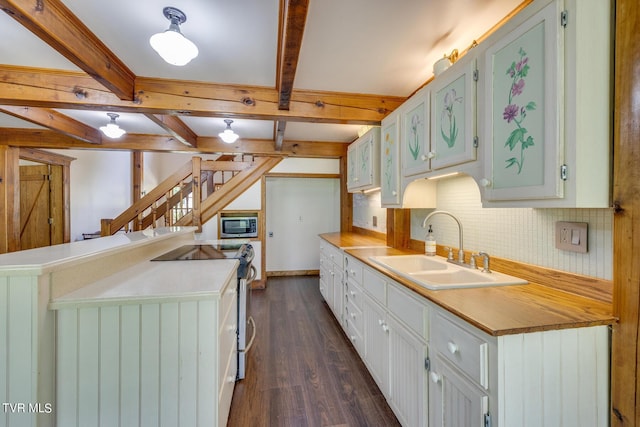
(460, 246)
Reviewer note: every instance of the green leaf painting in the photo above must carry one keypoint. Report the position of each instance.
(515, 113)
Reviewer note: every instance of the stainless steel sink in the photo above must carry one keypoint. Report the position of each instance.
(436, 273)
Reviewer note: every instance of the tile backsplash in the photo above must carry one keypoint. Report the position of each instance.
(365, 207)
(519, 234)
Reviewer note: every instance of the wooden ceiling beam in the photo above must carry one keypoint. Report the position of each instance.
(279, 137)
(73, 90)
(176, 128)
(41, 138)
(57, 26)
(293, 20)
(56, 121)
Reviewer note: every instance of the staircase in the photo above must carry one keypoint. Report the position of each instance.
(192, 195)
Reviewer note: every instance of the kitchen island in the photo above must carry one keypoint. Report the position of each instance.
(95, 331)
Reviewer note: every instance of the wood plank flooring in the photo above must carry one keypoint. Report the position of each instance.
(302, 370)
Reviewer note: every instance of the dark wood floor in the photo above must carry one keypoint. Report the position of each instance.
(302, 370)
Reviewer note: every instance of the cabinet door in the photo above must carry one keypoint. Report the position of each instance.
(415, 136)
(407, 375)
(453, 114)
(522, 94)
(454, 400)
(365, 156)
(376, 342)
(390, 161)
(352, 169)
(338, 293)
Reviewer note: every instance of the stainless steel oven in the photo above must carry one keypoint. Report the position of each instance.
(241, 250)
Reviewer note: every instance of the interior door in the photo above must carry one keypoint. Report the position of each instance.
(297, 210)
(35, 229)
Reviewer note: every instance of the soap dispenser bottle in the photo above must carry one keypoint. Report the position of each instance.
(430, 243)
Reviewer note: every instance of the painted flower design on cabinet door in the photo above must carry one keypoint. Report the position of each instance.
(414, 138)
(388, 160)
(515, 113)
(448, 116)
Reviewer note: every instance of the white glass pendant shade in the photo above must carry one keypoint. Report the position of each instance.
(228, 135)
(171, 45)
(111, 129)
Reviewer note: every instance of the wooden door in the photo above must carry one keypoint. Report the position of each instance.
(40, 211)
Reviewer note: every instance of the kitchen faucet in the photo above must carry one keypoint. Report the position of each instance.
(460, 260)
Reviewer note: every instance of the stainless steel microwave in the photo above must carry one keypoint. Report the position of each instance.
(238, 226)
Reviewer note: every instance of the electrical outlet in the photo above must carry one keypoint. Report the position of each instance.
(571, 236)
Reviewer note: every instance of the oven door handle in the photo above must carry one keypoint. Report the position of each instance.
(253, 273)
(253, 334)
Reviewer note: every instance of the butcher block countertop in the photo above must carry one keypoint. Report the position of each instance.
(352, 240)
(496, 310)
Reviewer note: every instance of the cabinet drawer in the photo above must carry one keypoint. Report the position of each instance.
(375, 285)
(465, 350)
(408, 309)
(228, 300)
(352, 293)
(334, 255)
(353, 269)
(354, 316)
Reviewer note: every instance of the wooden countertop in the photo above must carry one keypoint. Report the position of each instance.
(504, 310)
(352, 240)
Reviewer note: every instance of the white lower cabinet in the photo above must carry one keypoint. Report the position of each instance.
(407, 375)
(454, 400)
(394, 353)
(436, 369)
(376, 334)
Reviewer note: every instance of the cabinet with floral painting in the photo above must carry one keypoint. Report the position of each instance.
(453, 114)
(415, 146)
(390, 161)
(545, 107)
(363, 162)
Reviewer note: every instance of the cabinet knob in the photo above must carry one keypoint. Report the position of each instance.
(435, 377)
(485, 182)
(394, 193)
(380, 322)
(353, 338)
(429, 155)
(231, 379)
(353, 315)
(452, 347)
(385, 327)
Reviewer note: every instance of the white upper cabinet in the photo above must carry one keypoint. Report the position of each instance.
(545, 107)
(415, 145)
(453, 114)
(390, 161)
(363, 162)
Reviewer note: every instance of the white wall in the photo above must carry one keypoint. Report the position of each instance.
(519, 234)
(100, 187)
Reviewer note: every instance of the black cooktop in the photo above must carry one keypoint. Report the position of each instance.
(200, 252)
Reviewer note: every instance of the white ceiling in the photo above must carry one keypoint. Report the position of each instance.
(383, 47)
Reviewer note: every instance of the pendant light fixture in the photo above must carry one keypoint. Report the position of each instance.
(111, 129)
(228, 136)
(171, 45)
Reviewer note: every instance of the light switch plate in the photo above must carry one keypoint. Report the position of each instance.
(572, 236)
